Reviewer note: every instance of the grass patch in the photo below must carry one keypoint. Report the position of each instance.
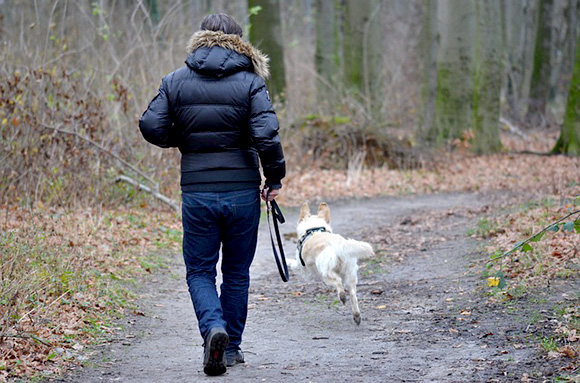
(485, 228)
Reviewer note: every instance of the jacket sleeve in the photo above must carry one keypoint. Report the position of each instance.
(155, 123)
(264, 130)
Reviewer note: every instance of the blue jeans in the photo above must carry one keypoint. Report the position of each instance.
(229, 219)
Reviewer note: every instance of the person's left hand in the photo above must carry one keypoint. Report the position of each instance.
(273, 194)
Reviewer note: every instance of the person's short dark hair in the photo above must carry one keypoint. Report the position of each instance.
(221, 22)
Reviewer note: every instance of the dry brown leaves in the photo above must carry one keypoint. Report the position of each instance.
(556, 255)
(543, 174)
(62, 280)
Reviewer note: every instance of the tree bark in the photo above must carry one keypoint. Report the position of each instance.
(237, 9)
(454, 70)
(153, 9)
(266, 34)
(362, 53)
(540, 84)
(487, 77)
(569, 140)
(428, 49)
(327, 55)
(519, 20)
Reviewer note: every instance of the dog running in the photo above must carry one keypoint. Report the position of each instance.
(330, 256)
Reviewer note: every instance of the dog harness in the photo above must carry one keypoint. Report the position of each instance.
(303, 239)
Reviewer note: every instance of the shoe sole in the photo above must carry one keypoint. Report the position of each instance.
(215, 364)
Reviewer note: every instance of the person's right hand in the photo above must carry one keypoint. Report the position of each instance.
(273, 194)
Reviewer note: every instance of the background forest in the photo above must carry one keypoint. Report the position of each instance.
(374, 97)
(356, 84)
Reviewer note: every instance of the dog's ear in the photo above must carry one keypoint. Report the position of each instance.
(324, 212)
(304, 211)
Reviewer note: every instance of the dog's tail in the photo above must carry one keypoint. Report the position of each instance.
(359, 249)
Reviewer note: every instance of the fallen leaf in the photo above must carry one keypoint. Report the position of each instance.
(567, 351)
(554, 355)
(486, 335)
(492, 282)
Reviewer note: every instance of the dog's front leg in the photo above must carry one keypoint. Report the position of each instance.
(292, 263)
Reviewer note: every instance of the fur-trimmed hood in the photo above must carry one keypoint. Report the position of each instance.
(210, 39)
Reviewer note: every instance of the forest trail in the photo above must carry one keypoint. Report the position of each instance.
(425, 317)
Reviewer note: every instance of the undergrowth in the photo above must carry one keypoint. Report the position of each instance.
(65, 277)
(551, 252)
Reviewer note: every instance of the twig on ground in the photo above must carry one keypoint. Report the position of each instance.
(26, 336)
(512, 128)
(35, 308)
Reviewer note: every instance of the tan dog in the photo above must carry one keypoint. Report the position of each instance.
(329, 255)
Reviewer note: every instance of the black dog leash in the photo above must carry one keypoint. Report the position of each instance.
(277, 217)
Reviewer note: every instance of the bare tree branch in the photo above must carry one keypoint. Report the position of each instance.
(105, 150)
(147, 189)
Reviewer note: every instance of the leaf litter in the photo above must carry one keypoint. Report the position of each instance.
(65, 272)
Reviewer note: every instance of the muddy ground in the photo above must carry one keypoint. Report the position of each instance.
(426, 315)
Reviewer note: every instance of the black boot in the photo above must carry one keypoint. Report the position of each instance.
(214, 356)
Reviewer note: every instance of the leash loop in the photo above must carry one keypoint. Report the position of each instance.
(277, 216)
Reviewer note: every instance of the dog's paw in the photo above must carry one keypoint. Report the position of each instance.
(292, 264)
(356, 318)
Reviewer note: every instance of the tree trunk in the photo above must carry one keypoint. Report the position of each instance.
(362, 52)
(540, 85)
(565, 14)
(569, 140)
(266, 34)
(454, 70)
(519, 19)
(428, 41)
(237, 9)
(153, 9)
(487, 77)
(327, 55)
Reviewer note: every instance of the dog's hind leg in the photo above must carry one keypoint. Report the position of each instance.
(350, 282)
(326, 266)
(354, 305)
(333, 279)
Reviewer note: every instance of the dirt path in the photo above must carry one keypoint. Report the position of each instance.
(424, 315)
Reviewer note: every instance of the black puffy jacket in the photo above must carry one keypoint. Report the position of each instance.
(217, 111)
